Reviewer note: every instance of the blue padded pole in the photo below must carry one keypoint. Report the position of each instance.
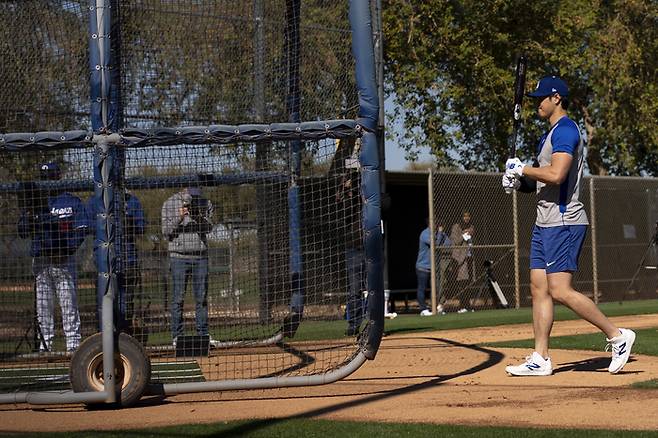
(363, 51)
(104, 179)
(293, 108)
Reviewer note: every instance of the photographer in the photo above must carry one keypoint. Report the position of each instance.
(56, 222)
(186, 220)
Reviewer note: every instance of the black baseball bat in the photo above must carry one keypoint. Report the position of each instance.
(519, 90)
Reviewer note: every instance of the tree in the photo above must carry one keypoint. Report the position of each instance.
(450, 67)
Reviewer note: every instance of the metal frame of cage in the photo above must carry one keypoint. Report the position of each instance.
(109, 144)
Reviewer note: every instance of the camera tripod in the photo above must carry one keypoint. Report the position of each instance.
(652, 243)
(491, 285)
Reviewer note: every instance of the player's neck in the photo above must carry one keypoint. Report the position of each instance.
(557, 115)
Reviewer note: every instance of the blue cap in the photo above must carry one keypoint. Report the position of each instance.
(194, 191)
(49, 171)
(549, 85)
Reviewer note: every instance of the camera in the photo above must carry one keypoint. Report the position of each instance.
(194, 206)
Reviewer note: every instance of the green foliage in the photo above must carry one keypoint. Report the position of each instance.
(449, 65)
(209, 62)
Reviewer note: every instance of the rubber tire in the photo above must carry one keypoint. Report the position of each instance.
(131, 363)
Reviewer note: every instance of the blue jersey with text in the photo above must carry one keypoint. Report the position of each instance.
(58, 229)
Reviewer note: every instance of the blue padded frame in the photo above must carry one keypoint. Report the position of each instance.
(364, 56)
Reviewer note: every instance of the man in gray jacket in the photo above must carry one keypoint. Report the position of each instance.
(186, 220)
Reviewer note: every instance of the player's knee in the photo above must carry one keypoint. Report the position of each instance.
(538, 288)
(560, 294)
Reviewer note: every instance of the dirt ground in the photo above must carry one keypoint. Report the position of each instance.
(435, 377)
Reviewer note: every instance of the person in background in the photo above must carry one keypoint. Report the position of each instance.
(350, 228)
(424, 264)
(187, 218)
(56, 222)
(129, 281)
(462, 234)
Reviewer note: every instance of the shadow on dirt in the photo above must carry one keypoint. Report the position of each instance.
(493, 358)
(594, 364)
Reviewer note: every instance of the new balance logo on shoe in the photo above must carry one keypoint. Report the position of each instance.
(535, 365)
(621, 349)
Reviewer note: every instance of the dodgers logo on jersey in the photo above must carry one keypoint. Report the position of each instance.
(62, 212)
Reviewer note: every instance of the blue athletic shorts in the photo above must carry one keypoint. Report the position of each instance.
(556, 249)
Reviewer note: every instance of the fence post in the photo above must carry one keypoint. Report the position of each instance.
(515, 220)
(595, 269)
(430, 198)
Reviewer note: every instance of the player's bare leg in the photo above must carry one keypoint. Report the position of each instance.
(542, 310)
(559, 285)
(621, 340)
(538, 363)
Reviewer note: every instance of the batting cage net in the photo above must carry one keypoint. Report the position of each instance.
(227, 218)
(482, 245)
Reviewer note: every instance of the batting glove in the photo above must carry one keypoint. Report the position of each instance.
(515, 167)
(510, 183)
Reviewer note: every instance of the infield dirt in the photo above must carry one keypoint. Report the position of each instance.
(434, 377)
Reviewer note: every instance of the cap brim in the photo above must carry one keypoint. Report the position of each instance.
(537, 94)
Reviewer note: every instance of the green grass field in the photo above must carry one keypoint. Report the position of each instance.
(324, 428)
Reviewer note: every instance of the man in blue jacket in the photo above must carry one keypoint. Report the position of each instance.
(57, 223)
(424, 264)
(129, 281)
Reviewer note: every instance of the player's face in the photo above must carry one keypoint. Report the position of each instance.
(547, 105)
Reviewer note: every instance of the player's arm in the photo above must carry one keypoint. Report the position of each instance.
(555, 173)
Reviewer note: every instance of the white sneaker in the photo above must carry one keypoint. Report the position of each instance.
(426, 312)
(534, 365)
(440, 310)
(621, 349)
(462, 310)
(391, 315)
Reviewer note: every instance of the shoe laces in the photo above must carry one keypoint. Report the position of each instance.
(615, 349)
(528, 359)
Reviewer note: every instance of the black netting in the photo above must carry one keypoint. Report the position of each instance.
(228, 62)
(44, 76)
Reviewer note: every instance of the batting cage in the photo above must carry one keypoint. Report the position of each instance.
(191, 197)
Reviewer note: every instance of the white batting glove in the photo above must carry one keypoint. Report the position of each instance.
(515, 167)
(510, 183)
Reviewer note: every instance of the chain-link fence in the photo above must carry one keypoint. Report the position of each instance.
(483, 237)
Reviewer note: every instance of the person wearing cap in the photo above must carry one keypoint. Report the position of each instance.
(187, 218)
(56, 222)
(559, 231)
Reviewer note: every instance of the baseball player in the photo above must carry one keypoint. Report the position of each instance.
(559, 230)
(57, 224)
